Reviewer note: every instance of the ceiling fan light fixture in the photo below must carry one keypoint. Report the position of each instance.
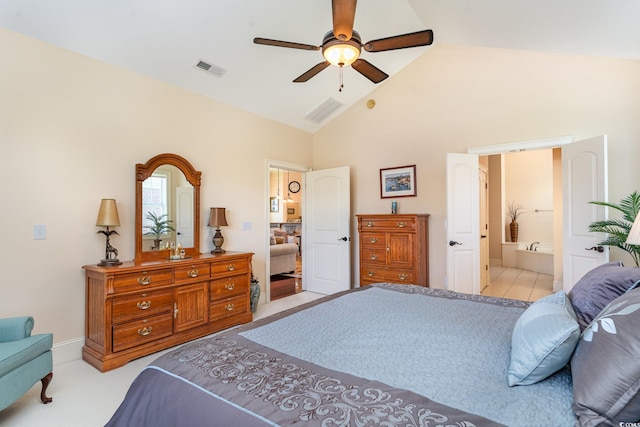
(341, 53)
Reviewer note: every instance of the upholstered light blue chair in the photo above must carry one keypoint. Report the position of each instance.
(25, 359)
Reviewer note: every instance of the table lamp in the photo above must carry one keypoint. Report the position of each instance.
(634, 234)
(217, 219)
(108, 217)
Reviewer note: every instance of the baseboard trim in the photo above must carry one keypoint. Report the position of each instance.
(67, 351)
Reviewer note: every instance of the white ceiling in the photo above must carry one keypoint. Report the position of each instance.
(165, 38)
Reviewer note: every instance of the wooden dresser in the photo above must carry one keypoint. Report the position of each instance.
(394, 248)
(138, 308)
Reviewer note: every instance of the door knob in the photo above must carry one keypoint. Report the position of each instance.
(453, 243)
(344, 239)
(483, 236)
(596, 248)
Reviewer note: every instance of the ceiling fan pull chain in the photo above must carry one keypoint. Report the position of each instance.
(341, 80)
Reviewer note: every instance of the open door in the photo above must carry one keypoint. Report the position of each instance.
(463, 223)
(327, 235)
(584, 179)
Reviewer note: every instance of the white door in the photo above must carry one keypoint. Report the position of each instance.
(584, 179)
(327, 231)
(484, 227)
(463, 221)
(184, 216)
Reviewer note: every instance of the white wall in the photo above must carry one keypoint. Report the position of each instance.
(455, 97)
(72, 130)
(529, 183)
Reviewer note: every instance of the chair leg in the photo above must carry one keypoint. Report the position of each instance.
(45, 383)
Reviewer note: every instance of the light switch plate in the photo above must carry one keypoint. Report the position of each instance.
(39, 232)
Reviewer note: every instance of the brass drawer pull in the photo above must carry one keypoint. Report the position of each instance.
(230, 286)
(373, 239)
(371, 273)
(193, 273)
(402, 276)
(228, 307)
(369, 224)
(144, 280)
(231, 267)
(402, 224)
(144, 305)
(373, 256)
(145, 331)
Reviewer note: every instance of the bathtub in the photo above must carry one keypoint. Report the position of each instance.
(540, 260)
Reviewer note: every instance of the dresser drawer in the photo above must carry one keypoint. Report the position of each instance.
(377, 256)
(387, 224)
(373, 240)
(228, 307)
(141, 331)
(375, 274)
(142, 280)
(141, 305)
(228, 287)
(238, 266)
(190, 272)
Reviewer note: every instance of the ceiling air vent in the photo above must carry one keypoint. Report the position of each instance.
(210, 68)
(322, 111)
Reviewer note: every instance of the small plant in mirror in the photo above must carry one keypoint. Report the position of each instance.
(161, 226)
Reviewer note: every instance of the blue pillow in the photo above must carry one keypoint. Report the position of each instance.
(543, 340)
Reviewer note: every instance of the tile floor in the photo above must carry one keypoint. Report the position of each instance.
(518, 284)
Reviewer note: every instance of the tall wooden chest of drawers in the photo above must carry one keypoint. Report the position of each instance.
(394, 248)
(136, 309)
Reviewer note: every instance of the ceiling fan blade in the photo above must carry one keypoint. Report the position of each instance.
(312, 72)
(280, 43)
(420, 38)
(368, 70)
(344, 12)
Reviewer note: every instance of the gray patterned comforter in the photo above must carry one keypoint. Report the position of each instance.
(360, 358)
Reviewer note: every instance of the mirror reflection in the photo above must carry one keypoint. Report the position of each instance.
(167, 210)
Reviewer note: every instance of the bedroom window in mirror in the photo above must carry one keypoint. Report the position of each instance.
(155, 196)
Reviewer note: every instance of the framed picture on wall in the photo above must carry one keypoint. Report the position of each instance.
(398, 182)
(274, 204)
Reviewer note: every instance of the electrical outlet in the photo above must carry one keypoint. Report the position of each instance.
(246, 226)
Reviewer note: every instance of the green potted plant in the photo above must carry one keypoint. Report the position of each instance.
(161, 225)
(514, 211)
(617, 230)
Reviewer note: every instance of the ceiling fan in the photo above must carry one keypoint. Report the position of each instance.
(342, 46)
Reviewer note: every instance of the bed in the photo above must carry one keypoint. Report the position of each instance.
(393, 355)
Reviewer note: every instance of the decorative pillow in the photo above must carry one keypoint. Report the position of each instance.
(280, 240)
(606, 365)
(543, 340)
(599, 287)
(272, 239)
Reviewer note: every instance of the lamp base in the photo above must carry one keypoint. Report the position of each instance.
(109, 262)
(218, 240)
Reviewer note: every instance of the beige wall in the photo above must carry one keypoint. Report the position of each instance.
(71, 131)
(455, 97)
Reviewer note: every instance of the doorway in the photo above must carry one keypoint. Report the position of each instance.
(528, 179)
(583, 175)
(285, 232)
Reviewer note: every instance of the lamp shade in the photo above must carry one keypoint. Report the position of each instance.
(217, 217)
(108, 214)
(634, 235)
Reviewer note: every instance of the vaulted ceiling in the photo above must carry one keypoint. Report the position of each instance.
(165, 39)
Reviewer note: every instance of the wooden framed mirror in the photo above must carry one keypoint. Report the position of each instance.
(169, 187)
